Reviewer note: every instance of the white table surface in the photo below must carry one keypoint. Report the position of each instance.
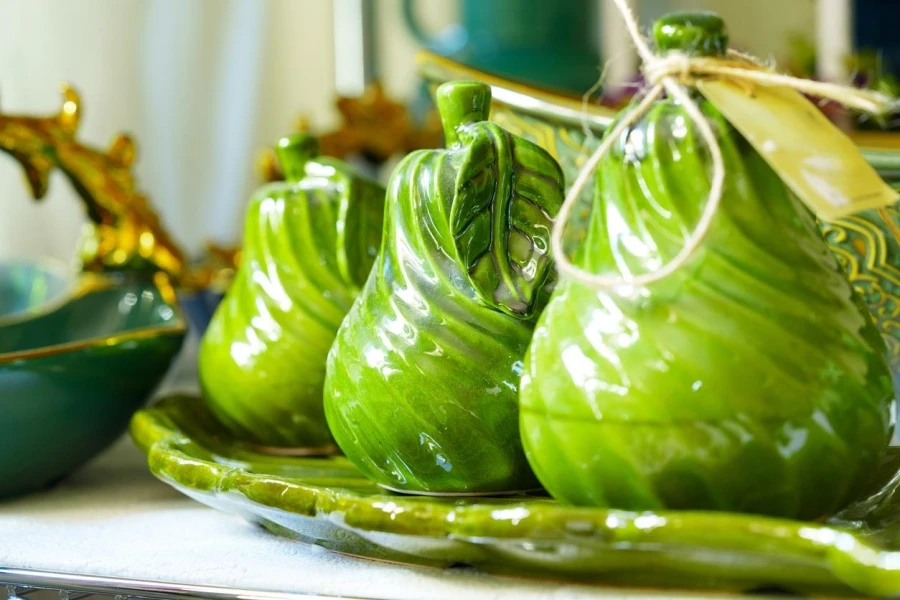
(114, 519)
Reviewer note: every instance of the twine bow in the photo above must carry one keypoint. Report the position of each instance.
(673, 73)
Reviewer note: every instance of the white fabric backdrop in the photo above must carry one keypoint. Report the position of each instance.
(203, 84)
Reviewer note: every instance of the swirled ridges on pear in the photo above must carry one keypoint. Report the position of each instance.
(422, 385)
(309, 244)
(752, 379)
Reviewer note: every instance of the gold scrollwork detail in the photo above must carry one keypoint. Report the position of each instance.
(124, 232)
(863, 250)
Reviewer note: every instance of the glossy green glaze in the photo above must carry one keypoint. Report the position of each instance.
(699, 33)
(71, 378)
(752, 379)
(867, 244)
(422, 380)
(328, 502)
(309, 244)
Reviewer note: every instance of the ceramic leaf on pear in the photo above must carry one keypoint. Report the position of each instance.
(423, 376)
(309, 243)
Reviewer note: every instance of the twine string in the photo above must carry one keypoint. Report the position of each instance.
(674, 73)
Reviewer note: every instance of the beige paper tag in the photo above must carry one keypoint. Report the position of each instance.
(812, 156)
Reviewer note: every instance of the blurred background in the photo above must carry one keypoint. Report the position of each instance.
(204, 85)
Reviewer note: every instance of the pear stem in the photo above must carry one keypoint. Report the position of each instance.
(293, 152)
(461, 103)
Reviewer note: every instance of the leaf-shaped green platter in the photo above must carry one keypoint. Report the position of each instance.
(327, 502)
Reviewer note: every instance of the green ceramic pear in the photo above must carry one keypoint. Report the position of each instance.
(309, 243)
(752, 379)
(422, 387)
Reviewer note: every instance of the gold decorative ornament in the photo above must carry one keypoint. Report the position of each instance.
(124, 232)
(372, 125)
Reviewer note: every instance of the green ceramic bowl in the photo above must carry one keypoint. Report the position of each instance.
(72, 376)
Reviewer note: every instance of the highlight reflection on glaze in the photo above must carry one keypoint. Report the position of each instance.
(422, 384)
(308, 246)
(750, 380)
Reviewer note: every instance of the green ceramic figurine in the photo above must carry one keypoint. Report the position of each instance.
(309, 244)
(751, 379)
(422, 383)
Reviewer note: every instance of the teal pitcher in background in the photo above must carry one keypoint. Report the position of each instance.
(551, 43)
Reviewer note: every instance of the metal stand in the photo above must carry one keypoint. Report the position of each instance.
(26, 584)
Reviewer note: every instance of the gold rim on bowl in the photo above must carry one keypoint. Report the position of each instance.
(88, 283)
